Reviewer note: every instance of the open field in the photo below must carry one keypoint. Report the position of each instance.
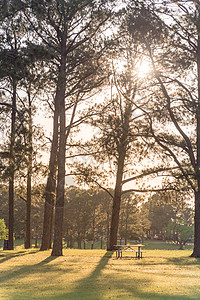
(97, 274)
(149, 245)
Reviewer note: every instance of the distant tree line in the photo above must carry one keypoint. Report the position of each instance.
(87, 217)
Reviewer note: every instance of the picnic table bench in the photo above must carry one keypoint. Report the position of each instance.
(129, 248)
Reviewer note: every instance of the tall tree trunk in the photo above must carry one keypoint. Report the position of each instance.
(28, 211)
(79, 240)
(120, 170)
(116, 204)
(127, 216)
(84, 244)
(107, 229)
(50, 190)
(59, 209)
(101, 242)
(12, 171)
(11, 212)
(57, 153)
(36, 240)
(93, 226)
(196, 250)
(29, 177)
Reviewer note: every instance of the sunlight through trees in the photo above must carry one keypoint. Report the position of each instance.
(120, 85)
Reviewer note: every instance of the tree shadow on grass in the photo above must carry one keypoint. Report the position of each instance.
(7, 256)
(178, 261)
(24, 271)
(115, 284)
(85, 285)
(46, 260)
(184, 261)
(95, 286)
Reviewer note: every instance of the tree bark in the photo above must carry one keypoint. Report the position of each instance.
(28, 211)
(36, 241)
(59, 209)
(101, 242)
(196, 250)
(107, 228)
(122, 149)
(12, 171)
(50, 190)
(11, 212)
(116, 204)
(126, 225)
(79, 240)
(29, 177)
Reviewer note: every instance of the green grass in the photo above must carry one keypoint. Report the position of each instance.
(97, 245)
(160, 245)
(97, 274)
(149, 245)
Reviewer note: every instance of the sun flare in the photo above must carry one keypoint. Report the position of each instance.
(144, 68)
(140, 69)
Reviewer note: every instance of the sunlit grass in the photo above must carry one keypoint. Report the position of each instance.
(97, 274)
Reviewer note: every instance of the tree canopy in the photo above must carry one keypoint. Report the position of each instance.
(124, 128)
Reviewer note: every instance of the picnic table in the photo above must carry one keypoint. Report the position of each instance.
(129, 248)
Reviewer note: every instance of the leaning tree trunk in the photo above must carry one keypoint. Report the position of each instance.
(114, 220)
(12, 171)
(50, 190)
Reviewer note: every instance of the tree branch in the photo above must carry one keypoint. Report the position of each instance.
(174, 121)
(103, 188)
(148, 190)
(148, 173)
(10, 105)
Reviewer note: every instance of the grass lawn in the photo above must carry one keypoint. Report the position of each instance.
(97, 274)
